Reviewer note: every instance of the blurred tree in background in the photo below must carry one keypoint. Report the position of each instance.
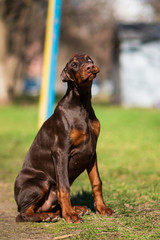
(156, 6)
(22, 27)
(86, 27)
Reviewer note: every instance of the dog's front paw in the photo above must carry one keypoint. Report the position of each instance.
(103, 209)
(72, 217)
(82, 210)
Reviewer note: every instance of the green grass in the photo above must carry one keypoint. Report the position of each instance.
(129, 163)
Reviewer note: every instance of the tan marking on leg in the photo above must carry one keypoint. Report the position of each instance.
(96, 184)
(99, 204)
(68, 212)
(64, 199)
(30, 210)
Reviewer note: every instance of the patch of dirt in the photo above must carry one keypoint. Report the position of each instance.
(9, 229)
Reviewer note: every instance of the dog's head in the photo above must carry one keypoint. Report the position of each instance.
(79, 69)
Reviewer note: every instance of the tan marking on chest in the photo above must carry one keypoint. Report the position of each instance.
(78, 136)
(95, 125)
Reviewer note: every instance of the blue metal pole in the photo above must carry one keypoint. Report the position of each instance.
(53, 60)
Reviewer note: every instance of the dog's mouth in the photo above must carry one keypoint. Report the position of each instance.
(91, 76)
(88, 76)
(93, 73)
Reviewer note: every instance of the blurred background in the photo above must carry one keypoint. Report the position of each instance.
(122, 36)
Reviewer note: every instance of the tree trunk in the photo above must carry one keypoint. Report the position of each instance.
(4, 94)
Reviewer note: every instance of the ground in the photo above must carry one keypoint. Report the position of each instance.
(9, 229)
(128, 159)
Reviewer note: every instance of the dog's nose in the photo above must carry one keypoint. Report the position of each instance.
(90, 67)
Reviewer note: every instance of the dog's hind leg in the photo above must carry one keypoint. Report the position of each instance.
(30, 200)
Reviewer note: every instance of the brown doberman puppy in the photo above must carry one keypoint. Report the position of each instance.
(64, 147)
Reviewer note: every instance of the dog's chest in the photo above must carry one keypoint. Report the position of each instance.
(83, 144)
(85, 133)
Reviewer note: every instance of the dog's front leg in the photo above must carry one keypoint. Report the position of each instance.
(63, 187)
(96, 183)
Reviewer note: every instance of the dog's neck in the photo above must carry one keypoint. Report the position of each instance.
(82, 92)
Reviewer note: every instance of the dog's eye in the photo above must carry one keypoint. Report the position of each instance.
(89, 60)
(74, 65)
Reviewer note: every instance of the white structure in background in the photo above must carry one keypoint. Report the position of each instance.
(139, 54)
(133, 11)
(140, 73)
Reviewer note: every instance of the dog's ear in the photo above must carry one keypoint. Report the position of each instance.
(65, 76)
